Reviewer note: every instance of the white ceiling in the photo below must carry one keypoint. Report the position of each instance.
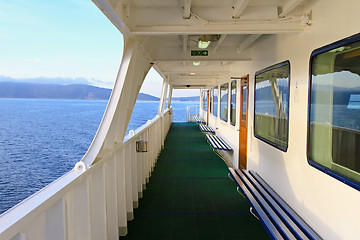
(169, 30)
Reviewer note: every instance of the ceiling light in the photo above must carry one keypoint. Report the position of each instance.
(205, 40)
(203, 44)
(196, 63)
(192, 73)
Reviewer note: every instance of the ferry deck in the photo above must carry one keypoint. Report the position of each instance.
(279, 91)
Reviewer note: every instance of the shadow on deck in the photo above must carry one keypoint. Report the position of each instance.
(190, 195)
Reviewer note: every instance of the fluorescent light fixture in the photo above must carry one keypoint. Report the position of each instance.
(196, 63)
(203, 43)
(192, 73)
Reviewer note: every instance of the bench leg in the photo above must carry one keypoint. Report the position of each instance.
(251, 211)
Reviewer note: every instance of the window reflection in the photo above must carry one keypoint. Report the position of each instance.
(233, 103)
(334, 132)
(215, 108)
(244, 103)
(224, 101)
(271, 105)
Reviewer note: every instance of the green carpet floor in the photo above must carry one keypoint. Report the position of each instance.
(190, 195)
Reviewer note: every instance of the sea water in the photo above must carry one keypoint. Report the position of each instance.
(41, 139)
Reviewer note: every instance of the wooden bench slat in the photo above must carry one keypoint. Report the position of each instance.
(276, 219)
(220, 143)
(269, 226)
(211, 130)
(277, 208)
(212, 143)
(220, 146)
(216, 143)
(205, 128)
(308, 231)
(199, 120)
(224, 143)
(284, 219)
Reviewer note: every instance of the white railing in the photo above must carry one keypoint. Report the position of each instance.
(192, 111)
(94, 202)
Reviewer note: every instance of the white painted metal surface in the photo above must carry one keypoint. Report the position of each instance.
(192, 111)
(254, 34)
(91, 202)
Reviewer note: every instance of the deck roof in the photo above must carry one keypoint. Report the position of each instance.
(169, 30)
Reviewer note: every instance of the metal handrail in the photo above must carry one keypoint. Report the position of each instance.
(190, 117)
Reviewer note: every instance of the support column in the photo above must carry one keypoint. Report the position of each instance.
(133, 69)
(165, 96)
(162, 97)
(170, 96)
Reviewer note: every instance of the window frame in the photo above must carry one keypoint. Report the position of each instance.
(236, 86)
(277, 65)
(204, 103)
(326, 48)
(227, 102)
(217, 101)
(210, 100)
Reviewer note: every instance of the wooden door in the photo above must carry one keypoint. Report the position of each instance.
(244, 97)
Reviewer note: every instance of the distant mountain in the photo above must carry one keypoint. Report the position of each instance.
(71, 91)
(58, 80)
(186, 99)
(52, 91)
(147, 97)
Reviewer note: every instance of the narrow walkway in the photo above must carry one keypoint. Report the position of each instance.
(190, 195)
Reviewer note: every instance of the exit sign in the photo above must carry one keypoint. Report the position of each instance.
(203, 53)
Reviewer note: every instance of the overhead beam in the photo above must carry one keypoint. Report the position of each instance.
(219, 42)
(289, 6)
(110, 13)
(187, 6)
(239, 7)
(185, 43)
(248, 42)
(190, 86)
(181, 60)
(249, 28)
(203, 73)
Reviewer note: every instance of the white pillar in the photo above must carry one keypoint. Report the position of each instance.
(133, 69)
(162, 97)
(170, 96)
(165, 96)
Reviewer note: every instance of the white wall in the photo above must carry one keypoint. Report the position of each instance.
(331, 207)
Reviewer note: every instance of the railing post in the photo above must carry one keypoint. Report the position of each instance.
(121, 192)
(129, 183)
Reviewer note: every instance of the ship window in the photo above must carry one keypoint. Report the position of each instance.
(211, 101)
(271, 105)
(233, 103)
(244, 102)
(334, 110)
(215, 108)
(224, 89)
(204, 100)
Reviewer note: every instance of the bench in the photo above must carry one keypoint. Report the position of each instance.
(199, 120)
(218, 143)
(279, 220)
(206, 129)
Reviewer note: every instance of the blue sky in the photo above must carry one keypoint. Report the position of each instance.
(62, 38)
